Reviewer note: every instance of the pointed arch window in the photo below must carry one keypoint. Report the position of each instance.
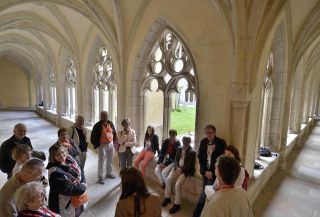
(170, 87)
(52, 91)
(267, 95)
(71, 83)
(104, 87)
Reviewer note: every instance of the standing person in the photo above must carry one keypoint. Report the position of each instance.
(78, 134)
(184, 166)
(127, 140)
(150, 147)
(211, 147)
(21, 153)
(227, 201)
(19, 137)
(135, 199)
(102, 136)
(66, 180)
(166, 157)
(65, 141)
(31, 201)
(31, 171)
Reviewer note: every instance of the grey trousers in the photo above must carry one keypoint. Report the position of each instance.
(82, 157)
(125, 159)
(105, 153)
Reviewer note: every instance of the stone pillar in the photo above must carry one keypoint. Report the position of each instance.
(29, 92)
(166, 116)
(111, 106)
(239, 125)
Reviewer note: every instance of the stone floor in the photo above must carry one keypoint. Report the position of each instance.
(293, 192)
(103, 198)
(296, 190)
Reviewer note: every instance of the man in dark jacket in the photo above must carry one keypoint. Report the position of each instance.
(19, 137)
(211, 147)
(184, 166)
(102, 136)
(166, 157)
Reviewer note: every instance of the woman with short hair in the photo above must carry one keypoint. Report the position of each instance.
(65, 141)
(127, 140)
(21, 153)
(30, 200)
(135, 199)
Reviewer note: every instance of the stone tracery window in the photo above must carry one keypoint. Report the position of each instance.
(104, 86)
(266, 103)
(170, 87)
(71, 82)
(53, 91)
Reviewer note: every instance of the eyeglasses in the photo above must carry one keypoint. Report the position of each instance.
(209, 132)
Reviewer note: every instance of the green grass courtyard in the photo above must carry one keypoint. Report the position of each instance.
(183, 121)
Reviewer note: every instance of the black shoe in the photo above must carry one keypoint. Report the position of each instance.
(100, 182)
(175, 208)
(166, 201)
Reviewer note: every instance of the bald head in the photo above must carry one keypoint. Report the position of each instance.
(20, 131)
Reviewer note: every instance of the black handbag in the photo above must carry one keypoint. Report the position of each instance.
(265, 152)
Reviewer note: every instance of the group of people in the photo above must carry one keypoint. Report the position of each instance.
(24, 194)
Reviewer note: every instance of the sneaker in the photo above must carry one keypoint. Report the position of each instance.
(100, 182)
(166, 201)
(110, 176)
(175, 208)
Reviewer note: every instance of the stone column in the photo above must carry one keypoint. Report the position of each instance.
(166, 116)
(239, 125)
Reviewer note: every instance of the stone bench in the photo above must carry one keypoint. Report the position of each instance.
(191, 188)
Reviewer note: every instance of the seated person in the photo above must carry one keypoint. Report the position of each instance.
(243, 178)
(184, 166)
(166, 158)
(135, 200)
(150, 147)
(21, 153)
(31, 201)
(227, 201)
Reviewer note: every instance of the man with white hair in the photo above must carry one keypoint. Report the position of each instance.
(31, 171)
(19, 137)
(78, 134)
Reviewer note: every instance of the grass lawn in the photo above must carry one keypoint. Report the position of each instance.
(183, 121)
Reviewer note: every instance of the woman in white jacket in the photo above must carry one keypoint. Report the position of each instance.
(127, 141)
